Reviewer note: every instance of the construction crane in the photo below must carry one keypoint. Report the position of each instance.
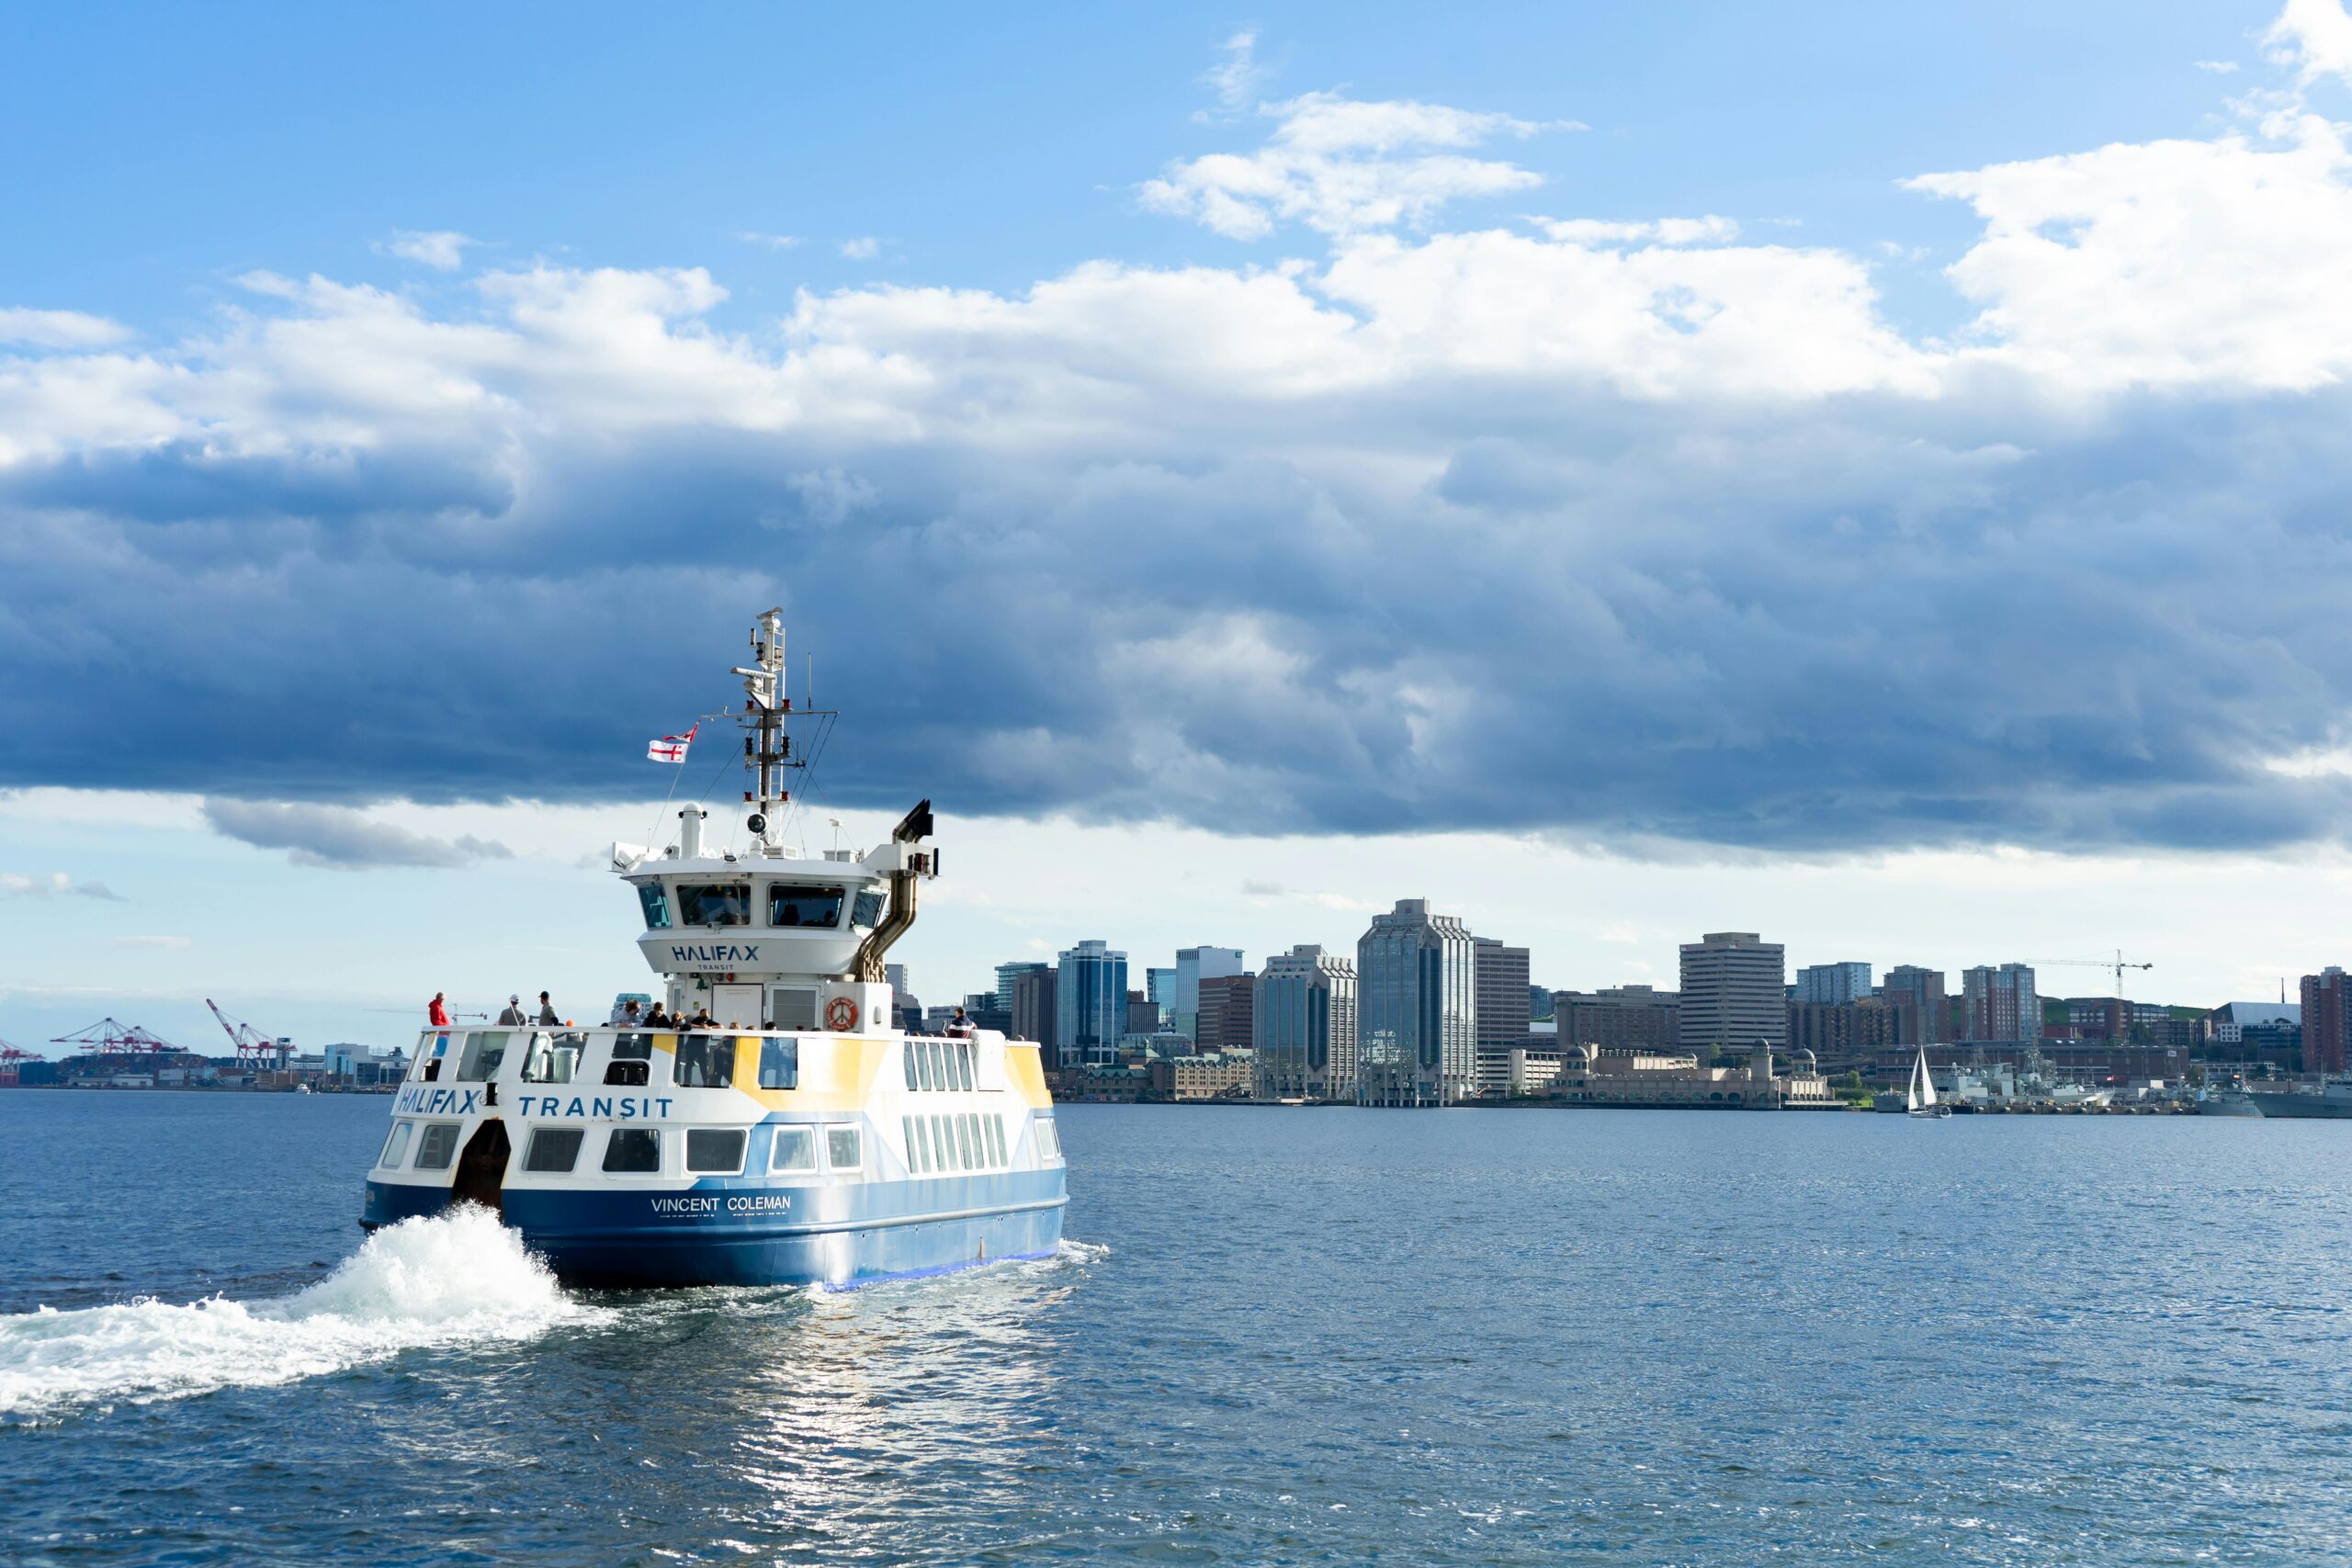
(109, 1038)
(12, 1061)
(254, 1049)
(2115, 965)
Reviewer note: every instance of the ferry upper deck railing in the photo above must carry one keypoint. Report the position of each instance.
(620, 1057)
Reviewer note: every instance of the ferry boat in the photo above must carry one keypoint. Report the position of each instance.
(799, 1137)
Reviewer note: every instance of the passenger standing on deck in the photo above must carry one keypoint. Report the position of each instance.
(548, 1018)
(436, 1013)
(513, 1013)
(627, 1016)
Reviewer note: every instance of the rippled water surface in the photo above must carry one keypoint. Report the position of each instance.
(1277, 1336)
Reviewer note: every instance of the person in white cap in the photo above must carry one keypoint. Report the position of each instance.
(513, 1013)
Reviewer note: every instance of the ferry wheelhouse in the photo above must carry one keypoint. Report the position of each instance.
(799, 1136)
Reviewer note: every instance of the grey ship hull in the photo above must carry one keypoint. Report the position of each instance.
(2332, 1107)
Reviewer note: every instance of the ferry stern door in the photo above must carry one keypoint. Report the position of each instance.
(481, 1170)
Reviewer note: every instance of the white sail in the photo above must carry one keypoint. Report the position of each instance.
(1923, 1088)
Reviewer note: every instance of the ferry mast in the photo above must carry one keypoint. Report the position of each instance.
(767, 746)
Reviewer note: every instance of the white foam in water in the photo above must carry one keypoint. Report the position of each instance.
(451, 1279)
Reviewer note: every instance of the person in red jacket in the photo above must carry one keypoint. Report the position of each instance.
(436, 1013)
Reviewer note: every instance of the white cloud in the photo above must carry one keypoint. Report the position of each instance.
(2219, 67)
(1708, 230)
(56, 885)
(1237, 77)
(772, 241)
(2314, 37)
(59, 329)
(866, 247)
(2166, 263)
(1344, 166)
(442, 249)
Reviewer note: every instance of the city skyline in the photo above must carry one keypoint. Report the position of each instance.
(1545, 475)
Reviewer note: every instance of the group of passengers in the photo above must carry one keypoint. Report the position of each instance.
(630, 1015)
(515, 1016)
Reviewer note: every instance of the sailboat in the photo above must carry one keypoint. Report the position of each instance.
(1921, 1099)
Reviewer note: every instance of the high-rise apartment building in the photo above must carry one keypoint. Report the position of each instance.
(1417, 1008)
(1089, 1004)
(1502, 994)
(1835, 983)
(1194, 964)
(1228, 1005)
(1734, 994)
(1916, 995)
(1006, 974)
(1304, 1027)
(1999, 1004)
(1033, 1012)
(1619, 1019)
(2327, 1021)
(1539, 1004)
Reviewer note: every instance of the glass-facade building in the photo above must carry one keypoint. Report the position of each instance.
(1089, 1004)
(1417, 1008)
(1194, 964)
(1304, 1030)
(1007, 973)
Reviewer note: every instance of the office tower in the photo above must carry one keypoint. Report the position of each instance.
(1734, 994)
(1194, 964)
(2327, 1021)
(1619, 1018)
(1539, 1004)
(1417, 1008)
(1089, 1004)
(1916, 997)
(1227, 1006)
(1143, 1016)
(1033, 1010)
(1303, 1026)
(2000, 1004)
(1006, 974)
(1502, 994)
(1833, 983)
(1160, 986)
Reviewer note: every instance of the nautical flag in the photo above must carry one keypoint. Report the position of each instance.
(670, 748)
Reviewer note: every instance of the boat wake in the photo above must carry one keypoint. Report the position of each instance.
(451, 1279)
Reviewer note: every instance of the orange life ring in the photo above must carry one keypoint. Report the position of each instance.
(840, 1014)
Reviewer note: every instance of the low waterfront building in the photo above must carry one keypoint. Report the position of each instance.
(1519, 1071)
(1649, 1080)
(1208, 1075)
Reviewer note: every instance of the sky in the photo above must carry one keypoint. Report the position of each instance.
(1871, 475)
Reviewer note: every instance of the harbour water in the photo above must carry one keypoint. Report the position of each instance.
(1275, 1337)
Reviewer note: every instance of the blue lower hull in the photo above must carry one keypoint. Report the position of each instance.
(838, 1235)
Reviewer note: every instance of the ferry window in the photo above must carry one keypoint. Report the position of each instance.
(429, 1051)
(795, 1150)
(964, 1140)
(980, 1142)
(779, 1063)
(792, 1007)
(632, 1047)
(485, 1048)
(841, 1149)
(792, 904)
(715, 903)
(964, 1067)
(1049, 1141)
(634, 1151)
(438, 1146)
(714, 1151)
(553, 1058)
(703, 1061)
(907, 1062)
(395, 1145)
(866, 913)
(916, 1163)
(996, 1142)
(554, 1150)
(943, 1148)
(657, 906)
(924, 1071)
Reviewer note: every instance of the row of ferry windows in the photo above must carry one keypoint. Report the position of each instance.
(792, 906)
(637, 1151)
(945, 1143)
(940, 1064)
(699, 1061)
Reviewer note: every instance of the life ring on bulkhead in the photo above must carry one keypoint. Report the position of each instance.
(840, 1014)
